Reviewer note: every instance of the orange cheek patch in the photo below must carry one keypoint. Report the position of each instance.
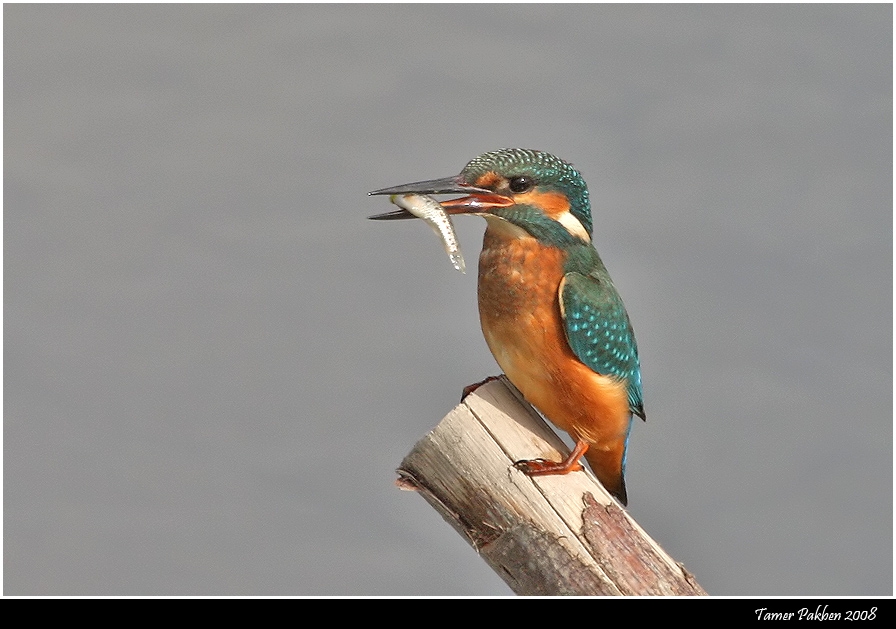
(489, 180)
(554, 204)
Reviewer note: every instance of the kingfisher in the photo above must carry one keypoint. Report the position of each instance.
(549, 311)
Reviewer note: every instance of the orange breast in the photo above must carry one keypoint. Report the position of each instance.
(519, 311)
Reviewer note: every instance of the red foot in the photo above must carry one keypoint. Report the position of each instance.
(540, 467)
(472, 387)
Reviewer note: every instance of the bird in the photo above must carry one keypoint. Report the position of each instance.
(550, 314)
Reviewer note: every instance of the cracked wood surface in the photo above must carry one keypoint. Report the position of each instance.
(543, 535)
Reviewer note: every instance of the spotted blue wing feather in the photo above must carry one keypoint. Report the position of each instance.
(599, 332)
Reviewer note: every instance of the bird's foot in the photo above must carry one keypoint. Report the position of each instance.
(472, 387)
(541, 467)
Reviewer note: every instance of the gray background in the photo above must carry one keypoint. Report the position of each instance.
(214, 362)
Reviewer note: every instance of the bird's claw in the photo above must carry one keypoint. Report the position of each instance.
(472, 387)
(529, 466)
(543, 467)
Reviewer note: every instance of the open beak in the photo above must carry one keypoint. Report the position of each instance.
(477, 201)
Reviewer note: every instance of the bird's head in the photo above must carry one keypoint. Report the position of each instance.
(531, 190)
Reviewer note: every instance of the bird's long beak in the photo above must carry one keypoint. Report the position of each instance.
(477, 200)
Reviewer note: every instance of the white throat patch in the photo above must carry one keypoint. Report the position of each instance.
(573, 226)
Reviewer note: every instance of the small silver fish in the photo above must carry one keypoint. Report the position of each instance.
(433, 213)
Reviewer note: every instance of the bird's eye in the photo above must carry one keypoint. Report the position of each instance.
(522, 183)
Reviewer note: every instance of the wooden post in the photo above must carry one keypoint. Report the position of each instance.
(544, 535)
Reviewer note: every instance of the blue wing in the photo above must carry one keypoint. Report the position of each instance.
(599, 332)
